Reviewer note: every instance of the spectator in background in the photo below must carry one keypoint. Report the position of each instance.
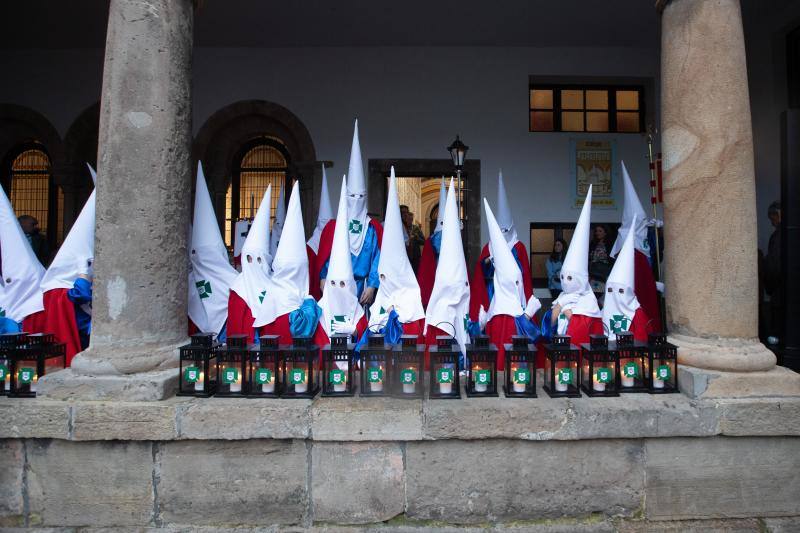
(773, 280)
(553, 265)
(600, 261)
(38, 242)
(413, 237)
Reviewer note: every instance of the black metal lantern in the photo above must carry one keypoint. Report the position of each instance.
(37, 355)
(9, 344)
(376, 366)
(264, 377)
(633, 363)
(662, 363)
(481, 367)
(299, 369)
(408, 363)
(599, 367)
(561, 378)
(198, 371)
(444, 380)
(338, 367)
(233, 364)
(458, 152)
(520, 368)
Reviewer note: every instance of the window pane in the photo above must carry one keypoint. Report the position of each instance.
(539, 266)
(628, 121)
(541, 121)
(30, 186)
(566, 234)
(596, 121)
(596, 99)
(541, 99)
(542, 240)
(628, 100)
(572, 121)
(571, 99)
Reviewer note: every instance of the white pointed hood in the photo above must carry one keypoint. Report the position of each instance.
(22, 272)
(577, 295)
(504, 218)
(632, 208)
(325, 214)
(357, 219)
(509, 292)
(251, 284)
(442, 202)
(448, 306)
(277, 226)
(620, 302)
(288, 284)
(76, 254)
(398, 287)
(93, 173)
(211, 274)
(339, 301)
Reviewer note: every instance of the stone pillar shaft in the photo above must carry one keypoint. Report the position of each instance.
(139, 308)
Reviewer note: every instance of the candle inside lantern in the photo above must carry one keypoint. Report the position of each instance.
(627, 377)
(480, 386)
(561, 386)
(200, 384)
(597, 385)
(657, 382)
(377, 386)
(36, 381)
(269, 385)
(518, 386)
(236, 386)
(446, 385)
(7, 385)
(301, 386)
(409, 384)
(342, 385)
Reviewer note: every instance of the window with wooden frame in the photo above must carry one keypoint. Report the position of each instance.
(586, 108)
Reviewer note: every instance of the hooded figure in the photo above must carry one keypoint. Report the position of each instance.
(398, 307)
(21, 306)
(67, 285)
(277, 226)
(249, 289)
(510, 312)
(482, 281)
(448, 308)
(211, 274)
(575, 311)
(430, 251)
(645, 282)
(341, 310)
(324, 216)
(621, 309)
(364, 234)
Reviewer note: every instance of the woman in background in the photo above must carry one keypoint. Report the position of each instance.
(553, 265)
(600, 261)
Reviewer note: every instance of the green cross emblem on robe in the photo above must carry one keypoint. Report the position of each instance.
(619, 323)
(203, 288)
(355, 227)
(262, 296)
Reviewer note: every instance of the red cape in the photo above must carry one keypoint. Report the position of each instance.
(426, 273)
(240, 319)
(641, 325)
(500, 329)
(313, 282)
(479, 294)
(321, 336)
(326, 243)
(579, 329)
(645, 289)
(59, 319)
(34, 323)
(192, 329)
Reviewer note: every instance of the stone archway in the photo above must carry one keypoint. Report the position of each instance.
(227, 130)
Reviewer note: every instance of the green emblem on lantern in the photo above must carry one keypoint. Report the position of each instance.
(191, 374)
(603, 375)
(203, 288)
(297, 376)
(483, 377)
(25, 376)
(522, 375)
(261, 296)
(664, 372)
(263, 375)
(355, 227)
(618, 323)
(337, 376)
(444, 375)
(630, 370)
(374, 375)
(564, 375)
(408, 376)
(230, 375)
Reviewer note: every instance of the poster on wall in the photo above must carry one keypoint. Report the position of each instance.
(592, 162)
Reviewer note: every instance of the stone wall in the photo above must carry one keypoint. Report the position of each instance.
(601, 464)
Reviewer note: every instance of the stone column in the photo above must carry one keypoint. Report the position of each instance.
(709, 188)
(140, 284)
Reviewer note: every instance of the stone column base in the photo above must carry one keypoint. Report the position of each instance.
(146, 386)
(703, 383)
(724, 354)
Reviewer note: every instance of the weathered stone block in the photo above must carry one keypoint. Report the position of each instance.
(12, 462)
(90, 483)
(357, 419)
(357, 483)
(468, 482)
(762, 417)
(722, 477)
(224, 482)
(145, 386)
(242, 418)
(38, 419)
(124, 421)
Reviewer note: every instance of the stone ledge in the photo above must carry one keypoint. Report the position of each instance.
(388, 419)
